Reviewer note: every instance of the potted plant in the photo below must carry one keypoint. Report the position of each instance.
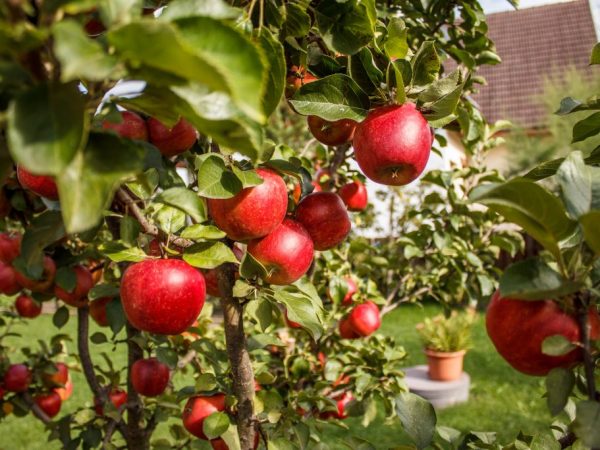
(446, 340)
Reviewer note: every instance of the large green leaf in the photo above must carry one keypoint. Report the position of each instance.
(590, 224)
(586, 128)
(396, 45)
(46, 127)
(426, 64)
(301, 307)
(332, 98)
(216, 424)
(113, 12)
(217, 9)
(417, 417)
(587, 423)
(297, 20)
(575, 181)
(276, 70)
(215, 180)
(186, 200)
(208, 255)
(595, 58)
(87, 185)
(43, 230)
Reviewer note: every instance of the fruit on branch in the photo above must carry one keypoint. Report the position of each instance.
(65, 392)
(116, 396)
(342, 402)
(253, 212)
(27, 306)
(57, 378)
(10, 247)
(163, 296)
(132, 126)
(286, 253)
(17, 378)
(392, 145)
(517, 328)
(297, 77)
(354, 195)
(325, 217)
(149, 377)
(197, 409)
(46, 280)
(351, 289)
(331, 133)
(9, 284)
(42, 185)
(172, 141)
(211, 276)
(220, 444)
(346, 330)
(365, 319)
(49, 403)
(298, 190)
(83, 284)
(98, 310)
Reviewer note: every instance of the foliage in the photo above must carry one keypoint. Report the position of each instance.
(447, 334)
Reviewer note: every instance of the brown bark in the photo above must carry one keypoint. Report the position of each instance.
(137, 438)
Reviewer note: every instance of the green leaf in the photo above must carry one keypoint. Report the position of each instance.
(297, 20)
(426, 64)
(208, 255)
(364, 70)
(534, 279)
(544, 442)
(60, 317)
(198, 232)
(43, 230)
(418, 418)
(575, 181)
(119, 252)
(595, 58)
(114, 12)
(129, 230)
(216, 9)
(167, 356)
(590, 224)
(557, 345)
(169, 219)
(231, 438)
(81, 57)
(186, 200)
(249, 178)
(396, 45)
(98, 338)
(115, 315)
(280, 444)
(103, 290)
(46, 127)
(333, 98)
(251, 267)
(276, 69)
(206, 382)
(559, 385)
(215, 180)
(587, 423)
(216, 424)
(66, 278)
(586, 128)
(301, 308)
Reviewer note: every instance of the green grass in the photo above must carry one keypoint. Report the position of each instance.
(501, 399)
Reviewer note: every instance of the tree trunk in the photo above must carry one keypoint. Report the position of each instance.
(137, 438)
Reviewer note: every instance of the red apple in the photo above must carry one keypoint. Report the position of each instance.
(392, 145)
(518, 328)
(197, 409)
(65, 392)
(331, 133)
(354, 195)
(98, 310)
(324, 216)
(298, 190)
(58, 378)
(149, 377)
(297, 77)
(286, 253)
(255, 211)
(17, 378)
(365, 319)
(172, 141)
(342, 402)
(49, 403)
(117, 397)
(351, 290)
(132, 126)
(43, 284)
(78, 297)
(163, 296)
(27, 306)
(42, 185)
(9, 284)
(10, 247)
(346, 330)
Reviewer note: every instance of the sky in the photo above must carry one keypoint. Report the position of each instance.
(502, 5)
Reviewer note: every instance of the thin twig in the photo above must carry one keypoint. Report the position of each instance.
(35, 409)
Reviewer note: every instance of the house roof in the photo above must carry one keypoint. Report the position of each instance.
(533, 43)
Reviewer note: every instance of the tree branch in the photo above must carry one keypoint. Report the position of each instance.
(35, 409)
(137, 437)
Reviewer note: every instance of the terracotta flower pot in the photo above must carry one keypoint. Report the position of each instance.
(445, 366)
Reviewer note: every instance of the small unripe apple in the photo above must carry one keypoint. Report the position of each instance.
(331, 133)
(49, 403)
(172, 141)
(365, 319)
(325, 217)
(286, 253)
(392, 145)
(17, 378)
(132, 126)
(98, 310)
(149, 377)
(163, 296)
(9, 284)
(10, 247)
(27, 307)
(341, 402)
(346, 330)
(43, 284)
(42, 185)
(253, 212)
(197, 409)
(58, 378)
(116, 396)
(65, 392)
(354, 195)
(78, 297)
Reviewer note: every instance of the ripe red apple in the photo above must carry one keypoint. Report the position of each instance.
(10, 247)
(116, 396)
(172, 141)
(346, 330)
(199, 408)
(331, 133)
(58, 378)
(78, 297)
(98, 310)
(354, 195)
(392, 145)
(27, 306)
(42, 284)
(255, 211)
(518, 328)
(8, 280)
(298, 190)
(351, 290)
(132, 126)
(42, 185)
(365, 319)
(149, 377)
(219, 444)
(163, 296)
(342, 401)
(17, 378)
(286, 253)
(324, 216)
(65, 392)
(49, 403)
(297, 77)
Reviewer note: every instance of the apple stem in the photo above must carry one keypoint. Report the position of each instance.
(239, 358)
(584, 328)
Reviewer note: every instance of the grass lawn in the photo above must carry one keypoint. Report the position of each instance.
(501, 399)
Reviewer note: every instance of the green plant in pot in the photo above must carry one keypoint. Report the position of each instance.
(446, 340)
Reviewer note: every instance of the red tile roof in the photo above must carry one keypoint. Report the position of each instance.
(533, 42)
